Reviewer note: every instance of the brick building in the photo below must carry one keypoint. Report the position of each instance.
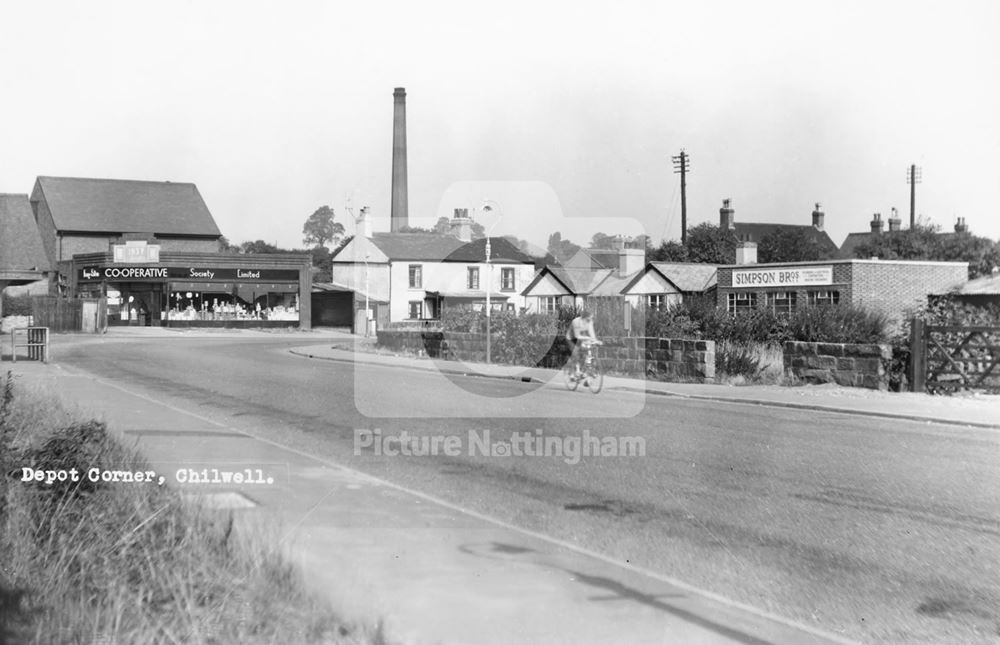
(890, 286)
(151, 250)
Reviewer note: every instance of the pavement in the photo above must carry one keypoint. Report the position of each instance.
(433, 572)
(974, 410)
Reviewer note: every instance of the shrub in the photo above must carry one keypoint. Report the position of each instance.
(17, 305)
(671, 322)
(838, 324)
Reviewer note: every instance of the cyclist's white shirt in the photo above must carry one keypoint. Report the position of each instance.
(581, 330)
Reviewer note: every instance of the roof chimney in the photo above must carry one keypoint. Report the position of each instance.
(629, 260)
(877, 223)
(818, 218)
(727, 218)
(461, 225)
(364, 224)
(960, 226)
(398, 216)
(746, 253)
(895, 224)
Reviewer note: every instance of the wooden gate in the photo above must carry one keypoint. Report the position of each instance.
(948, 358)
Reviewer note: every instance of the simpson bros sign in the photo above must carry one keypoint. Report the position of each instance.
(783, 277)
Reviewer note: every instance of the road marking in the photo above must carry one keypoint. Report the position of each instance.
(760, 613)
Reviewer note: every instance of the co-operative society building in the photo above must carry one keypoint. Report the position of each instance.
(152, 250)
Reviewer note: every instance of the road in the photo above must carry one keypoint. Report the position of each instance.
(880, 530)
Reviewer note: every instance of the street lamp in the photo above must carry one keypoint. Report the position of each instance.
(489, 206)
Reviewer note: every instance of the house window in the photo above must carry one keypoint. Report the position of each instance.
(656, 301)
(548, 304)
(510, 306)
(507, 279)
(741, 301)
(781, 302)
(416, 309)
(416, 276)
(824, 297)
(473, 281)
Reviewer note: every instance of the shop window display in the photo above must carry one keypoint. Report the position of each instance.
(207, 306)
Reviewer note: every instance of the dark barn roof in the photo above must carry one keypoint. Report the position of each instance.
(125, 206)
(20, 241)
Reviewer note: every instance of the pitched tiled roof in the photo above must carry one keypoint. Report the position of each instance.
(125, 206)
(852, 242)
(756, 231)
(429, 247)
(20, 241)
(687, 276)
(580, 281)
(501, 250)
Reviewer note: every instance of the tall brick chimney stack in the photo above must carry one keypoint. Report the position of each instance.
(895, 224)
(961, 226)
(818, 218)
(399, 216)
(727, 217)
(877, 223)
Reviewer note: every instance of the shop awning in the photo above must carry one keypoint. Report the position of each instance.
(249, 291)
(465, 295)
(203, 287)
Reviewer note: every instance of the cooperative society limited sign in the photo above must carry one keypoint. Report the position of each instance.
(784, 277)
(185, 273)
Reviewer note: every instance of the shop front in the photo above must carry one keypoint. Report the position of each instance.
(199, 290)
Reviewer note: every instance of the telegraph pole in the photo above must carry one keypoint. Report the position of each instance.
(913, 178)
(681, 167)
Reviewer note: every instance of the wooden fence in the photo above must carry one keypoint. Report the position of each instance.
(948, 358)
(65, 314)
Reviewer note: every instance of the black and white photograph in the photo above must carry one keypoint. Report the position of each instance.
(451, 323)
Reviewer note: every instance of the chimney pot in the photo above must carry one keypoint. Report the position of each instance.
(877, 223)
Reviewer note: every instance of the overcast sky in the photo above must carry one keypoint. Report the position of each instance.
(557, 114)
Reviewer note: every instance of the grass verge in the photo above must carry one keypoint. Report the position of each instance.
(101, 563)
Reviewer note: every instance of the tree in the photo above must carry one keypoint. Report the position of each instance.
(916, 243)
(561, 249)
(478, 231)
(602, 241)
(789, 245)
(982, 254)
(924, 242)
(320, 228)
(672, 251)
(709, 244)
(225, 246)
(260, 246)
(322, 265)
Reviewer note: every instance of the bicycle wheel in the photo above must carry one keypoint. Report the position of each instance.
(594, 376)
(569, 376)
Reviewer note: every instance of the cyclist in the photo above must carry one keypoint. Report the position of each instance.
(581, 329)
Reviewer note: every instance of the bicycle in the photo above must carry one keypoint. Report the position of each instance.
(590, 373)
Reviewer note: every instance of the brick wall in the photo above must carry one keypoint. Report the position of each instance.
(657, 358)
(844, 364)
(897, 288)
